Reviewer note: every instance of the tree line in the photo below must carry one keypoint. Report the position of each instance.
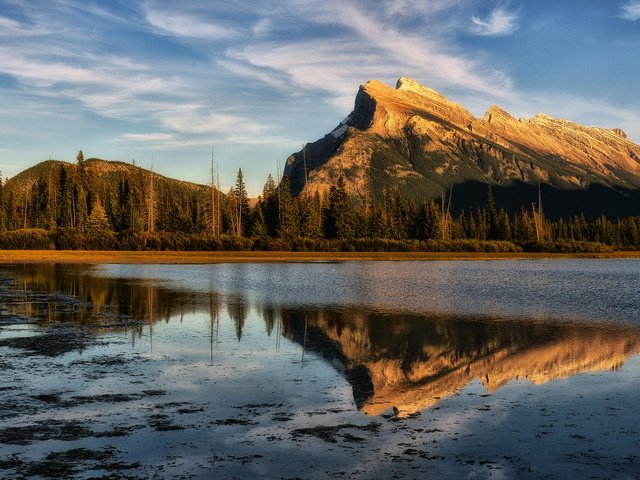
(75, 207)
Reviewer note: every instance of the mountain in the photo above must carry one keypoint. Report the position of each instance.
(58, 193)
(102, 171)
(409, 362)
(413, 138)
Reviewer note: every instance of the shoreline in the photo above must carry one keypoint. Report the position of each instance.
(174, 257)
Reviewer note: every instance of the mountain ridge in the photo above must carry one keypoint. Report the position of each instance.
(416, 139)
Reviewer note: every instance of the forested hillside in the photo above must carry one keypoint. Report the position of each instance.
(98, 204)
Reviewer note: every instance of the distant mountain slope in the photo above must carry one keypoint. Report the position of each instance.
(102, 171)
(58, 193)
(416, 139)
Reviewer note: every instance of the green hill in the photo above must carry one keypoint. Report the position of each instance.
(55, 193)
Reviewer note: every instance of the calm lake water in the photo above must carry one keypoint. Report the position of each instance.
(501, 369)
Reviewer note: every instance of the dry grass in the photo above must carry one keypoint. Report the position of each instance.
(94, 257)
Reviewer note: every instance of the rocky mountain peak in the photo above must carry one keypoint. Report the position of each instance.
(620, 132)
(416, 139)
(495, 113)
(409, 85)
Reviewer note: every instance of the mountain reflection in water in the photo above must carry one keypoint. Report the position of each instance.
(393, 360)
(410, 362)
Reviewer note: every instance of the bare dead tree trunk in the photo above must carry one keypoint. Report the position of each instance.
(538, 218)
(151, 204)
(214, 205)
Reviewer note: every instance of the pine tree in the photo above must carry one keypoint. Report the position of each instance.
(289, 223)
(524, 230)
(98, 229)
(151, 204)
(125, 207)
(258, 227)
(310, 216)
(339, 218)
(241, 206)
(3, 213)
(428, 223)
(377, 224)
(503, 229)
(492, 217)
(471, 228)
(63, 214)
(481, 224)
(270, 206)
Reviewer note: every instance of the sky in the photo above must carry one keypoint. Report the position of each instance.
(167, 81)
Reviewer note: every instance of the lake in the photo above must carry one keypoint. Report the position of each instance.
(501, 369)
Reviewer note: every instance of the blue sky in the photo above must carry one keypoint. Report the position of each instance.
(131, 79)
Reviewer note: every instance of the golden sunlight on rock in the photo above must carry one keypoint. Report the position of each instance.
(409, 363)
(414, 134)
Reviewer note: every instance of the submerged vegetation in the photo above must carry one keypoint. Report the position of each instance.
(99, 205)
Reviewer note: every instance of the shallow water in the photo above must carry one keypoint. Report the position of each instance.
(339, 370)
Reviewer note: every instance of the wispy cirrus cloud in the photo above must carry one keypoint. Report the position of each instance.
(147, 137)
(370, 44)
(631, 11)
(185, 25)
(10, 27)
(499, 22)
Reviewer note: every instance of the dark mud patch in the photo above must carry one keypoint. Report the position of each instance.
(187, 410)
(154, 393)
(163, 423)
(48, 397)
(418, 453)
(9, 408)
(257, 406)
(105, 398)
(66, 464)
(333, 433)
(45, 430)
(102, 361)
(244, 458)
(65, 430)
(54, 398)
(52, 344)
(283, 417)
(234, 421)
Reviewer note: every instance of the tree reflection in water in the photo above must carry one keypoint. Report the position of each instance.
(393, 360)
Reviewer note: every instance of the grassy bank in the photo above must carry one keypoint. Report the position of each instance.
(95, 257)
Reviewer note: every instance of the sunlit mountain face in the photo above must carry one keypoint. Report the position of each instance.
(415, 139)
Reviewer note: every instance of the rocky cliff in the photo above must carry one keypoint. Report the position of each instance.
(416, 139)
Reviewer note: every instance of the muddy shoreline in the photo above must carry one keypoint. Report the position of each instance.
(170, 257)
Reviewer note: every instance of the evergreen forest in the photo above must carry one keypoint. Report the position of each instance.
(97, 204)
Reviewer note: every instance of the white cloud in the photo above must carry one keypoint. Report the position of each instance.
(262, 26)
(182, 25)
(409, 8)
(370, 45)
(147, 137)
(500, 22)
(8, 23)
(245, 70)
(631, 11)
(12, 28)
